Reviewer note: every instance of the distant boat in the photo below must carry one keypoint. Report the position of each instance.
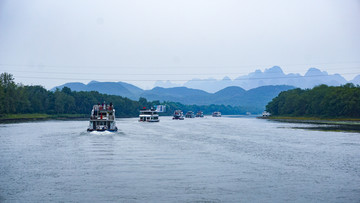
(200, 114)
(216, 114)
(266, 114)
(189, 114)
(102, 118)
(148, 115)
(178, 115)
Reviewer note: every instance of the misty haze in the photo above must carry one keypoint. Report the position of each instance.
(179, 101)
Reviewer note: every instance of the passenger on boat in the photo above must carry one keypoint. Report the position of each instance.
(96, 109)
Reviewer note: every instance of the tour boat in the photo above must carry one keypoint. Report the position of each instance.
(216, 114)
(200, 114)
(102, 118)
(178, 115)
(148, 115)
(189, 114)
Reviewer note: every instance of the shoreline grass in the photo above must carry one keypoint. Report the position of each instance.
(33, 117)
(316, 120)
(312, 118)
(321, 124)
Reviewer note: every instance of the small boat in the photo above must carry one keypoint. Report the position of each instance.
(216, 114)
(178, 115)
(102, 118)
(189, 114)
(148, 115)
(199, 114)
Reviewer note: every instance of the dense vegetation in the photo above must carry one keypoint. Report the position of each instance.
(321, 101)
(254, 100)
(20, 99)
(206, 109)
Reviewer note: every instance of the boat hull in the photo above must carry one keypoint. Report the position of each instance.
(150, 121)
(102, 130)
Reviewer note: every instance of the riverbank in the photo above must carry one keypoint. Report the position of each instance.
(330, 124)
(314, 120)
(35, 117)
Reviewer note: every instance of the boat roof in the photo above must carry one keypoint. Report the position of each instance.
(148, 110)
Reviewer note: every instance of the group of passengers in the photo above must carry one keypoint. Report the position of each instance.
(102, 106)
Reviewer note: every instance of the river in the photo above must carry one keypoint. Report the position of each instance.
(207, 159)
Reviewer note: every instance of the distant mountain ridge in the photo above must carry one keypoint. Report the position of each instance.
(112, 88)
(254, 99)
(271, 76)
(254, 90)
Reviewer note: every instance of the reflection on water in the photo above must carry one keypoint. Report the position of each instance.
(336, 128)
(234, 159)
(323, 125)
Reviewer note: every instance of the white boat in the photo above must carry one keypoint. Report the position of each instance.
(149, 115)
(189, 114)
(216, 114)
(102, 118)
(266, 114)
(199, 114)
(178, 115)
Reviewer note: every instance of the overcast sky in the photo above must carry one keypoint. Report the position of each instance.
(50, 42)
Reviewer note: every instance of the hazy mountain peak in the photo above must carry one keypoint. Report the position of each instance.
(315, 72)
(357, 77)
(231, 90)
(274, 70)
(257, 73)
(158, 88)
(166, 84)
(356, 80)
(76, 86)
(93, 81)
(226, 78)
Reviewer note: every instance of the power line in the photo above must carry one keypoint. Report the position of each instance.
(182, 80)
(169, 66)
(136, 74)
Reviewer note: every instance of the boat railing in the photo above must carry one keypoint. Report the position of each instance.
(103, 107)
(96, 117)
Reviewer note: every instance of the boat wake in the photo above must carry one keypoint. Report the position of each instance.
(101, 133)
(106, 133)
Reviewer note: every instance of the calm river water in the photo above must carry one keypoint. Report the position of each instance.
(194, 160)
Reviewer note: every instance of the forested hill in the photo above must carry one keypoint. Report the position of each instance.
(234, 96)
(20, 99)
(321, 101)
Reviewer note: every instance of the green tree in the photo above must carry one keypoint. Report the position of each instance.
(8, 93)
(64, 102)
(322, 101)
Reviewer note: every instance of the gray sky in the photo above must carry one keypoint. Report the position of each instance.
(50, 42)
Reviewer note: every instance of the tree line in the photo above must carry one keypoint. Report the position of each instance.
(320, 101)
(206, 109)
(20, 99)
(23, 99)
